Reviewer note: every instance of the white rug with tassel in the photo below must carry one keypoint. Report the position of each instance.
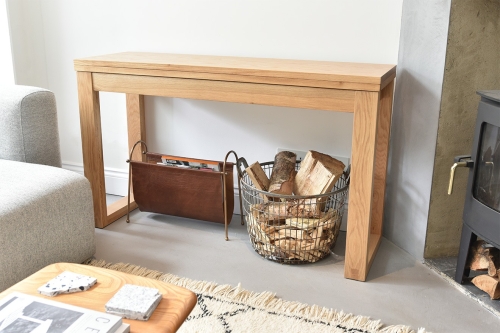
(227, 309)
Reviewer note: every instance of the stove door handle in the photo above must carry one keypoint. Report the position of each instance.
(463, 158)
(460, 161)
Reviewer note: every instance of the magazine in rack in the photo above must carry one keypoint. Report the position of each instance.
(189, 163)
(24, 313)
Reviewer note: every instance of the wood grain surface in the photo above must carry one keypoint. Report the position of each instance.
(93, 163)
(361, 188)
(236, 78)
(136, 124)
(173, 309)
(381, 156)
(253, 67)
(237, 92)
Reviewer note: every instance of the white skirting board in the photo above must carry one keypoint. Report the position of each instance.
(116, 181)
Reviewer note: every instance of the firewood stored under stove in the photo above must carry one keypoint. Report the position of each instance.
(485, 257)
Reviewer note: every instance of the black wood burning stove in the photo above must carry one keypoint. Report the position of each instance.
(482, 202)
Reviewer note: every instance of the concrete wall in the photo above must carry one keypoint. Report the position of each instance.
(422, 50)
(48, 34)
(472, 63)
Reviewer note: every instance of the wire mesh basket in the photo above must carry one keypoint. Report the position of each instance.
(293, 229)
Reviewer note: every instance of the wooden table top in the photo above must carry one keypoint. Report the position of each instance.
(339, 75)
(173, 309)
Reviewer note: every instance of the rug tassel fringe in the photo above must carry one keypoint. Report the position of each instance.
(264, 300)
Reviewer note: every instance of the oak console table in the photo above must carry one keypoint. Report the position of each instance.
(365, 89)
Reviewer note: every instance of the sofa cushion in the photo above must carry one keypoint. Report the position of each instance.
(46, 216)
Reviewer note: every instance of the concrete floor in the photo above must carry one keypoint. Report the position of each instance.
(399, 289)
(446, 267)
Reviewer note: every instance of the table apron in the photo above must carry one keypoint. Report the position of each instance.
(237, 92)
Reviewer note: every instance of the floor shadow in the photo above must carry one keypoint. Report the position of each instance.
(389, 260)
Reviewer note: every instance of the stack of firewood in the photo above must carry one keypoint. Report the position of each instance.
(295, 228)
(485, 257)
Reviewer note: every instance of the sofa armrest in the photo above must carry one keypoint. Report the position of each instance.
(28, 125)
(46, 216)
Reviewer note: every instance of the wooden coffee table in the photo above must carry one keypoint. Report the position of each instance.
(173, 309)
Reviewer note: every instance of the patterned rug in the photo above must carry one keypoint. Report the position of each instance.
(227, 309)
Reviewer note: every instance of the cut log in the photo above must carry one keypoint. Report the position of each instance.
(302, 223)
(270, 212)
(488, 284)
(304, 208)
(256, 228)
(258, 177)
(477, 261)
(318, 174)
(484, 257)
(283, 175)
(492, 268)
(276, 212)
(306, 223)
(302, 238)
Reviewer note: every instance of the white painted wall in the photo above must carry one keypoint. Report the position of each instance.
(6, 66)
(417, 101)
(27, 42)
(48, 35)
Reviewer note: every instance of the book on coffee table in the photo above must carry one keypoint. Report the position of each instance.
(25, 313)
(125, 328)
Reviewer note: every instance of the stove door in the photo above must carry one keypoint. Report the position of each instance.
(482, 200)
(487, 178)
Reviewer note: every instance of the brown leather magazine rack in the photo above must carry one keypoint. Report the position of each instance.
(192, 193)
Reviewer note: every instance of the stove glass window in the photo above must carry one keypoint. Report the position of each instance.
(487, 179)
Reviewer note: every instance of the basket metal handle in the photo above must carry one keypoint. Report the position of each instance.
(224, 192)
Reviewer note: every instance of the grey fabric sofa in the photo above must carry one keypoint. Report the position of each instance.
(46, 212)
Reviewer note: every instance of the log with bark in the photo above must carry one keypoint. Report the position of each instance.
(484, 257)
(488, 284)
(283, 174)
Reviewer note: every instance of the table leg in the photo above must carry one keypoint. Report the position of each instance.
(382, 153)
(359, 245)
(90, 123)
(136, 124)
